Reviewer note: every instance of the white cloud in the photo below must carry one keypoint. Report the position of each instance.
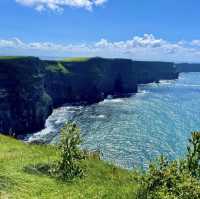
(12, 43)
(195, 43)
(58, 5)
(100, 2)
(146, 47)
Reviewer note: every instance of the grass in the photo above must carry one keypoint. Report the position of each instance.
(12, 57)
(20, 178)
(76, 59)
(58, 68)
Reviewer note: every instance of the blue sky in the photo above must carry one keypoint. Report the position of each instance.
(137, 29)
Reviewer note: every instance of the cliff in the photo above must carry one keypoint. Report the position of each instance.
(30, 88)
(148, 72)
(24, 104)
(93, 79)
(89, 81)
(185, 67)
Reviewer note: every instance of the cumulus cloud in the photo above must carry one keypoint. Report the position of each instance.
(146, 47)
(58, 5)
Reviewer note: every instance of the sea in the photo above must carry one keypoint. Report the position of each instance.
(131, 132)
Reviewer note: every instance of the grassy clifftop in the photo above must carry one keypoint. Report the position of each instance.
(14, 57)
(19, 179)
(56, 67)
(76, 59)
(24, 175)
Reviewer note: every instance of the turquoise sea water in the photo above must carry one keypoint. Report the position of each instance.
(132, 131)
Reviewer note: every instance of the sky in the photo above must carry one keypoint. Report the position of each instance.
(160, 30)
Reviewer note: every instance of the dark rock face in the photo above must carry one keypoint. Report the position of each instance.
(154, 71)
(30, 88)
(24, 104)
(90, 81)
(185, 67)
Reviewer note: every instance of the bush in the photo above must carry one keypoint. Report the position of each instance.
(68, 166)
(193, 156)
(173, 179)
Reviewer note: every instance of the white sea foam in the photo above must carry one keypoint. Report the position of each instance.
(58, 118)
(166, 81)
(117, 100)
(44, 133)
(98, 116)
(142, 92)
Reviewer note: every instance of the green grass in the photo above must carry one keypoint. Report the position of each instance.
(57, 68)
(16, 181)
(76, 59)
(13, 57)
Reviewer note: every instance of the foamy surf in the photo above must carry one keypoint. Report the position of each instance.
(116, 100)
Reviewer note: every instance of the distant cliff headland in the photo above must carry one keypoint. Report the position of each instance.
(30, 88)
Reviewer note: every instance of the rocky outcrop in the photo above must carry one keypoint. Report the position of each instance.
(30, 88)
(24, 104)
(185, 67)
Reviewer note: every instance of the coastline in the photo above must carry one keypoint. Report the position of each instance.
(51, 84)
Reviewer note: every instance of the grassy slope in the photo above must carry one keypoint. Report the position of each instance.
(57, 68)
(76, 59)
(102, 180)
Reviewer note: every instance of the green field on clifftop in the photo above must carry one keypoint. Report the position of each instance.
(76, 59)
(13, 57)
(19, 179)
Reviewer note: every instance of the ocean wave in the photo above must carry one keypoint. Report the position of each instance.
(45, 135)
(117, 100)
(167, 81)
(98, 116)
(142, 92)
(69, 108)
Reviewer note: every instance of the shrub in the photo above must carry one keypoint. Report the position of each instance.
(68, 166)
(193, 156)
(173, 179)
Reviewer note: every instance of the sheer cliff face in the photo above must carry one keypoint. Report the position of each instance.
(148, 72)
(94, 79)
(24, 104)
(30, 88)
(90, 81)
